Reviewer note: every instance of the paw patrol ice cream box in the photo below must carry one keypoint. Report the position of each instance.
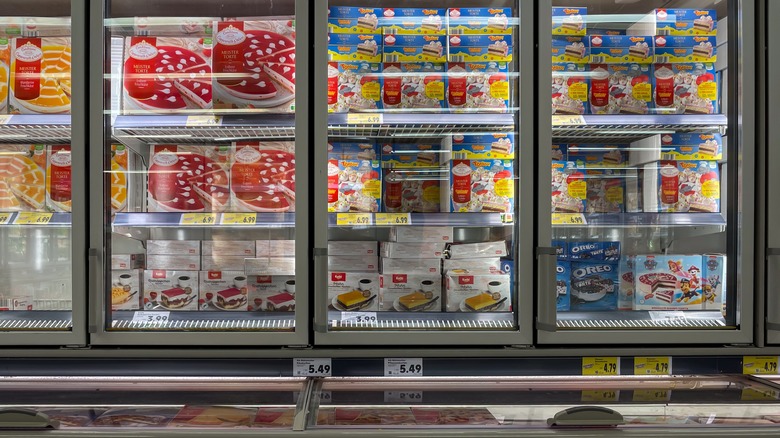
(667, 282)
(713, 286)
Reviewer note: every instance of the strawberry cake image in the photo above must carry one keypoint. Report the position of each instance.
(263, 177)
(187, 179)
(167, 75)
(262, 77)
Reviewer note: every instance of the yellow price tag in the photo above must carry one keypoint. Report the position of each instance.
(198, 219)
(393, 219)
(568, 219)
(364, 118)
(653, 366)
(759, 394)
(560, 120)
(600, 366)
(5, 119)
(239, 218)
(353, 219)
(204, 121)
(507, 218)
(652, 395)
(759, 365)
(31, 218)
(605, 395)
(4, 218)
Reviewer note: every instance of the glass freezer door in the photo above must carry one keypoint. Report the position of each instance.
(200, 159)
(648, 198)
(41, 283)
(417, 203)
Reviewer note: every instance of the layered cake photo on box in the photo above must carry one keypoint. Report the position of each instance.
(354, 86)
(413, 21)
(620, 89)
(569, 20)
(410, 292)
(263, 177)
(22, 178)
(223, 290)
(477, 86)
(685, 88)
(482, 186)
(356, 20)
(272, 293)
(569, 189)
(254, 65)
(479, 21)
(668, 282)
(353, 291)
(413, 85)
(354, 185)
(167, 75)
(40, 76)
(170, 290)
(569, 89)
(481, 292)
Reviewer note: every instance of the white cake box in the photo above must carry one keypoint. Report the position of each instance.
(478, 292)
(352, 248)
(411, 266)
(228, 248)
(407, 250)
(125, 289)
(173, 262)
(128, 261)
(223, 263)
(270, 266)
(223, 290)
(272, 293)
(275, 248)
(410, 292)
(353, 291)
(354, 264)
(421, 234)
(170, 290)
(477, 250)
(491, 265)
(178, 247)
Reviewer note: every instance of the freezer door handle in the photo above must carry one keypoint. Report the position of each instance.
(586, 416)
(27, 419)
(320, 295)
(772, 280)
(546, 291)
(95, 276)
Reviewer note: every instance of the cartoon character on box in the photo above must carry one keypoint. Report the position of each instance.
(353, 185)
(569, 189)
(353, 86)
(685, 88)
(668, 282)
(569, 89)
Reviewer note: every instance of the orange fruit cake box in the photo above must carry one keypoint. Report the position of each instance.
(40, 76)
(22, 178)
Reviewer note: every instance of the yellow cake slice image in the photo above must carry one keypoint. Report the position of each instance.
(414, 301)
(55, 82)
(353, 300)
(480, 303)
(118, 186)
(8, 201)
(35, 196)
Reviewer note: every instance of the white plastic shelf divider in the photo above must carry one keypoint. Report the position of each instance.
(421, 125)
(34, 128)
(205, 321)
(620, 220)
(620, 127)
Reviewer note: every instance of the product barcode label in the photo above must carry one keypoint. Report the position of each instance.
(457, 58)
(391, 58)
(662, 59)
(662, 32)
(456, 31)
(598, 59)
(667, 156)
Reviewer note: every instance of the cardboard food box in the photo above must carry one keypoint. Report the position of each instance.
(672, 49)
(353, 263)
(405, 250)
(682, 187)
(668, 282)
(119, 187)
(223, 290)
(469, 292)
(402, 155)
(574, 49)
(627, 289)
(173, 262)
(345, 19)
(354, 185)
(355, 47)
(606, 191)
(621, 88)
(569, 21)
(685, 88)
(499, 146)
(599, 156)
(254, 66)
(275, 248)
(270, 266)
(421, 234)
(272, 293)
(170, 290)
(570, 89)
(352, 248)
(40, 76)
(569, 189)
(407, 86)
(58, 178)
(414, 21)
(477, 250)
(562, 282)
(228, 248)
(482, 186)
(128, 261)
(223, 263)
(414, 48)
(594, 251)
(691, 146)
(263, 177)
(354, 86)
(22, 178)
(479, 21)
(411, 266)
(173, 247)
(405, 292)
(213, 417)
(363, 150)
(126, 289)
(484, 265)
(713, 283)
(167, 74)
(677, 22)
(621, 49)
(594, 285)
(188, 179)
(479, 48)
(353, 291)
(418, 191)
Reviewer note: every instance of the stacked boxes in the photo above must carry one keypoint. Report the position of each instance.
(353, 276)
(171, 278)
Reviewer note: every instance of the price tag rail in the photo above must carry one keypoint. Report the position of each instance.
(35, 219)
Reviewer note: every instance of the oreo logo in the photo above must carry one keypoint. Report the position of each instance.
(591, 270)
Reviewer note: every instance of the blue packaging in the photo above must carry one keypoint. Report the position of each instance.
(364, 150)
(344, 19)
(414, 21)
(594, 286)
(410, 154)
(686, 22)
(569, 189)
(692, 146)
(477, 21)
(508, 267)
(570, 88)
(562, 279)
(569, 21)
(354, 47)
(574, 49)
(484, 146)
(561, 249)
(560, 152)
(714, 282)
(357, 87)
(626, 292)
(479, 48)
(610, 49)
(685, 49)
(594, 251)
(599, 155)
(688, 88)
(414, 48)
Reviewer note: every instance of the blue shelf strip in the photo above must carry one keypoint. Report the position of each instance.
(441, 219)
(36, 119)
(146, 220)
(650, 219)
(57, 220)
(657, 119)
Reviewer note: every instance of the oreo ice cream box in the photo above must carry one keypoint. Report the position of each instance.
(594, 251)
(593, 286)
(562, 279)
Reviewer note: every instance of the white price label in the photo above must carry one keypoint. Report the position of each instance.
(403, 396)
(148, 318)
(361, 317)
(403, 367)
(667, 316)
(317, 367)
